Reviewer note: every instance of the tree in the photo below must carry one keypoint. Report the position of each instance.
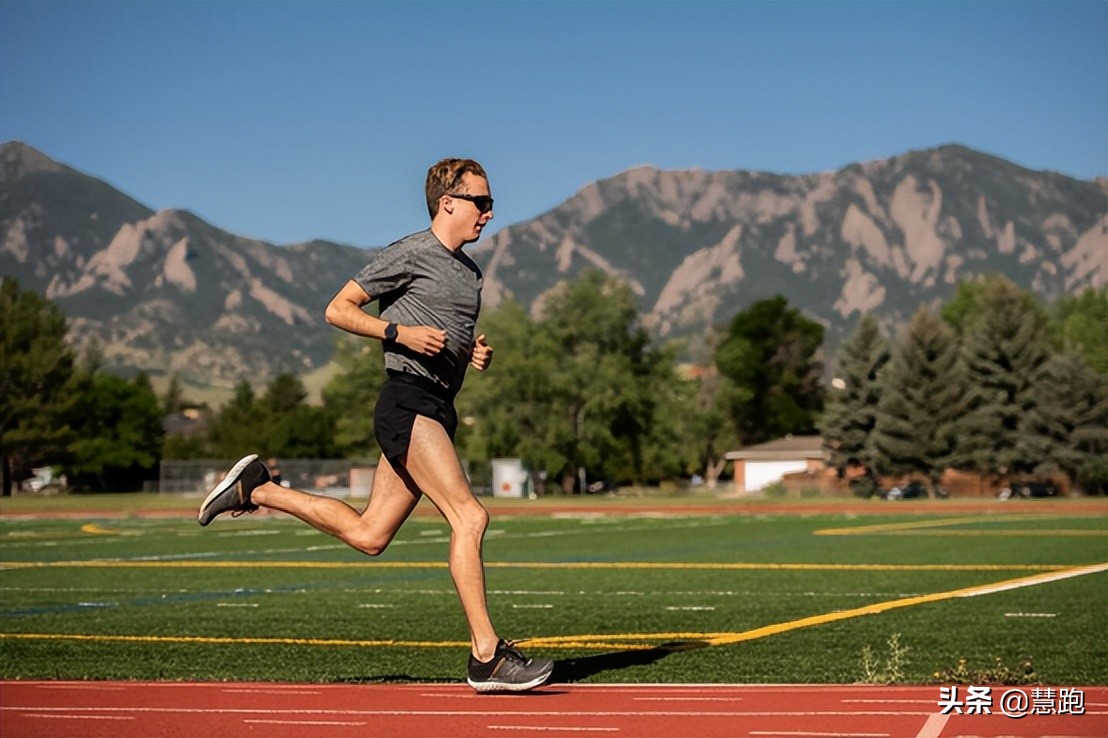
(1004, 347)
(1067, 429)
(36, 368)
(289, 427)
(350, 395)
(1080, 323)
(851, 415)
(574, 393)
(119, 434)
(235, 428)
(769, 356)
(921, 394)
(173, 400)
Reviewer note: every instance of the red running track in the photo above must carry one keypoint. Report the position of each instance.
(215, 710)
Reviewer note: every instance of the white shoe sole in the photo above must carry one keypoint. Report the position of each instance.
(227, 481)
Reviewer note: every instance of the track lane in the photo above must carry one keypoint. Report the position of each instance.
(36, 709)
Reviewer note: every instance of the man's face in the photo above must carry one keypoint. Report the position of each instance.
(467, 215)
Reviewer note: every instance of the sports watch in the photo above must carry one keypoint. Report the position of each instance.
(391, 331)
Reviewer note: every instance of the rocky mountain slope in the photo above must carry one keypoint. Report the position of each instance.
(164, 291)
(886, 236)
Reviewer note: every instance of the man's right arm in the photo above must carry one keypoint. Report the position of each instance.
(345, 312)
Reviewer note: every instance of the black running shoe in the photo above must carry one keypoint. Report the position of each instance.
(509, 671)
(233, 493)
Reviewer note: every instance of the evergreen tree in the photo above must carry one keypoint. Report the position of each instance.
(36, 370)
(119, 433)
(921, 393)
(237, 426)
(850, 417)
(769, 356)
(1004, 347)
(173, 400)
(1067, 429)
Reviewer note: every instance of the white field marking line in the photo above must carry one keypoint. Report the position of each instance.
(695, 608)
(1030, 614)
(306, 722)
(236, 604)
(933, 728)
(377, 606)
(444, 539)
(532, 607)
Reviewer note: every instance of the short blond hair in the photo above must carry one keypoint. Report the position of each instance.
(445, 177)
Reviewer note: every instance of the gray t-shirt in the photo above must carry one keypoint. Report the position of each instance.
(419, 281)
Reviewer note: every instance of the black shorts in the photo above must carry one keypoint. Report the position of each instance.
(403, 397)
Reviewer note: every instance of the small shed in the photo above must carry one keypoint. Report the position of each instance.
(766, 463)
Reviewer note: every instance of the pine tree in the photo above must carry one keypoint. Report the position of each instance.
(921, 394)
(36, 392)
(1004, 347)
(850, 418)
(1067, 430)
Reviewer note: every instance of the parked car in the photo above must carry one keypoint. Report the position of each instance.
(913, 490)
(1030, 489)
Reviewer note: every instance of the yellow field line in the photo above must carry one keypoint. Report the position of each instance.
(232, 641)
(617, 565)
(612, 641)
(1064, 532)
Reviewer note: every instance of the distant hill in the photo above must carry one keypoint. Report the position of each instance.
(885, 236)
(166, 292)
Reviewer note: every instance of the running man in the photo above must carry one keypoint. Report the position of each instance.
(430, 296)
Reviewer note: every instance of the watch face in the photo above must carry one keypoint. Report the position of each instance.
(390, 332)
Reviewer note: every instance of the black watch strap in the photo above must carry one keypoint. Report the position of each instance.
(390, 332)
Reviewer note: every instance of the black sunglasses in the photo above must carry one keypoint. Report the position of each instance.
(483, 203)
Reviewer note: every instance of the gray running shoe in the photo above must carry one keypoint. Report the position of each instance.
(233, 493)
(509, 671)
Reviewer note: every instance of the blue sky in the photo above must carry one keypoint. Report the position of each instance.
(290, 121)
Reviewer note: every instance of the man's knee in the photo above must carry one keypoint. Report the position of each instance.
(473, 521)
(369, 542)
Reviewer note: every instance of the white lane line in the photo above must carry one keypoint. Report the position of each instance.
(567, 729)
(688, 699)
(281, 692)
(471, 713)
(76, 717)
(933, 728)
(821, 734)
(306, 722)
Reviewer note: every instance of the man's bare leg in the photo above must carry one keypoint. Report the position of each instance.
(390, 504)
(433, 464)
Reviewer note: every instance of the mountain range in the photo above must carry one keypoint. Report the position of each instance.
(166, 292)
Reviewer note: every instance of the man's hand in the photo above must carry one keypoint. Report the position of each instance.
(482, 354)
(423, 339)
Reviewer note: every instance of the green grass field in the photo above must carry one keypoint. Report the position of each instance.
(752, 597)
